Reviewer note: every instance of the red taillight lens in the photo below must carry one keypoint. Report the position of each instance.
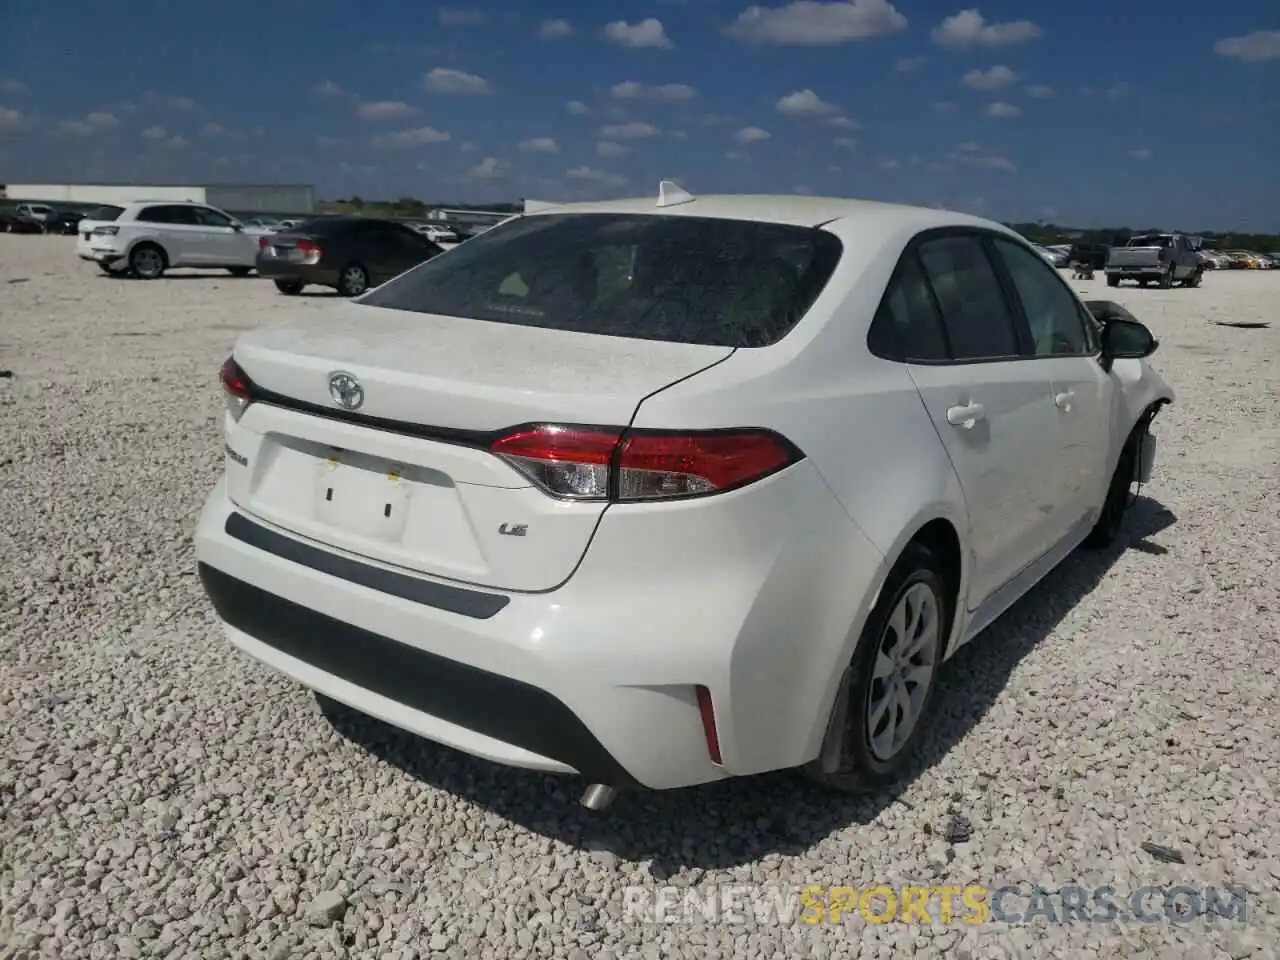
(563, 461)
(308, 248)
(599, 463)
(656, 466)
(263, 243)
(707, 711)
(236, 387)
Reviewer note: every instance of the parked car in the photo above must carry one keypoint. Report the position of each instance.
(270, 224)
(13, 222)
(1053, 257)
(664, 496)
(151, 237)
(1214, 260)
(347, 254)
(1163, 258)
(63, 222)
(439, 233)
(35, 211)
(1092, 255)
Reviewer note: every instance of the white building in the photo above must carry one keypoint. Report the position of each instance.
(232, 197)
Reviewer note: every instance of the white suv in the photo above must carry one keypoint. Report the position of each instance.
(149, 238)
(664, 493)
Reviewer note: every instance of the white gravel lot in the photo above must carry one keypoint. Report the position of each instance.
(162, 795)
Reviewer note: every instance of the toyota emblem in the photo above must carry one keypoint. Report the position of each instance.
(346, 391)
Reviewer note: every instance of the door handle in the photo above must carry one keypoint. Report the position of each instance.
(1063, 400)
(966, 416)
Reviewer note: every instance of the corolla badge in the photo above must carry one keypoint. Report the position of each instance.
(346, 390)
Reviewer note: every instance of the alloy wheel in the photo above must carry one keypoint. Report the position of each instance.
(903, 671)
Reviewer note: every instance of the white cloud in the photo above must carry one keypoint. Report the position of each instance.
(1251, 48)
(806, 103)
(908, 64)
(845, 143)
(461, 18)
(1142, 153)
(1003, 111)
(643, 33)
(667, 92)
(177, 143)
(1039, 91)
(182, 103)
(577, 108)
(467, 147)
(445, 80)
(557, 29)
(384, 110)
(629, 131)
(844, 123)
(802, 189)
(10, 119)
(540, 145)
(973, 154)
(97, 122)
(12, 87)
(888, 164)
(969, 28)
(813, 23)
(997, 78)
(607, 148)
(587, 174)
(751, 135)
(155, 133)
(212, 129)
(327, 88)
(488, 168)
(415, 137)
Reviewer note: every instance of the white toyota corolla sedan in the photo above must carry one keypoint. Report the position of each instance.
(662, 492)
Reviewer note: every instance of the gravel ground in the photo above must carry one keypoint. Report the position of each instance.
(161, 795)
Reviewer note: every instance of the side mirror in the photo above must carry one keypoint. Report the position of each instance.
(237, 226)
(1124, 339)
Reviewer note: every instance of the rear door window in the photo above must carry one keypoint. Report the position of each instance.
(978, 321)
(650, 276)
(907, 326)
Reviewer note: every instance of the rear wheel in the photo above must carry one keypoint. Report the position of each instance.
(1195, 278)
(1166, 278)
(885, 696)
(353, 280)
(239, 271)
(290, 287)
(147, 261)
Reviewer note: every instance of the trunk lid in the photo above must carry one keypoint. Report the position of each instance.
(412, 484)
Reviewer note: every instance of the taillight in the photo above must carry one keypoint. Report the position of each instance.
(236, 387)
(309, 250)
(263, 243)
(707, 710)
(602, 463)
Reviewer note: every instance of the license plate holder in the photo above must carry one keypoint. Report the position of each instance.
(363, 496)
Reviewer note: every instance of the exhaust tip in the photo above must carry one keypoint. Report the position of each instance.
(598, 796)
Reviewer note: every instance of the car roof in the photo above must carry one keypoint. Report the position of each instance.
(807, 211)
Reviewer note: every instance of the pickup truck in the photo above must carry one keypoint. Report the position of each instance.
(1163, 258)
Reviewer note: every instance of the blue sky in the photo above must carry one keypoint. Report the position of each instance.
(1085, 112)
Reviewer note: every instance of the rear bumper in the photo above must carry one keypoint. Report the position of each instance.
(276, 269)
(100, 250)
(598, 677)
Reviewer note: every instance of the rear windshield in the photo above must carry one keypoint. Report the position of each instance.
(1151, 240)
(699, 280)
(106, 214)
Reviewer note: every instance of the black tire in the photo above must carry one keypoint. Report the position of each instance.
(289, 287)
(1194, 280)
(1166, 278)
(239, 271)
(858, 768)
(1111, 520)
(1113, 281)
(353, 280)
(106, 268)
(147, 261)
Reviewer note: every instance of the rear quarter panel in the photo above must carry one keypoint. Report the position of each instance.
(858, 419)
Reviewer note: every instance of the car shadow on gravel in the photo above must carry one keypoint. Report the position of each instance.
(741, 820)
